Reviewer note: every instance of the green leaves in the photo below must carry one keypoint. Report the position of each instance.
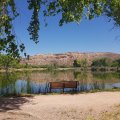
(75, 10)
(102, 62)
(69, 10)
(112, 10)
(7, 37)
(80, 63)
(7, 61)
(34, 23)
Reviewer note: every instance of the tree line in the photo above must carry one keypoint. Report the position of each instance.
(7, 62)
(101, 62)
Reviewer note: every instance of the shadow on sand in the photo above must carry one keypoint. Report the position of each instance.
(12, 103)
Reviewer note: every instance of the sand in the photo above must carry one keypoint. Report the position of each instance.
(58, 107)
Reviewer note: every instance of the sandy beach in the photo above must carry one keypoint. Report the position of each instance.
(59, 107)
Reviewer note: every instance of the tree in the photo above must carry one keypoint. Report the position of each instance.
(80, 63)
(112, 10)
(70, 11)
(7, 61)
(102, 62)
(75, 63)
(116, 63)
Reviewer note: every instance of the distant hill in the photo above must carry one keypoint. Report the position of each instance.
(67, 59)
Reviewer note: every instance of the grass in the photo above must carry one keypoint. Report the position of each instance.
(59, 93)
(114, 114)
(100, 90)
(90, 118)
(48, 68)
(17, 95)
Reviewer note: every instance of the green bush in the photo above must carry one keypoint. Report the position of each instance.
(7, 61)
(116, 63)
(80, 63)
(102, 62)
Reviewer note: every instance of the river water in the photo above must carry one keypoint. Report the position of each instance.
(39, 81)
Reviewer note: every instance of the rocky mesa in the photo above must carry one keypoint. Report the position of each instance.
(66, 59)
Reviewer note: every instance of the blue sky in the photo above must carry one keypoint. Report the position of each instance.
(97, 35)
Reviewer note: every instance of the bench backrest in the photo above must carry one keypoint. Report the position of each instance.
(65, 84)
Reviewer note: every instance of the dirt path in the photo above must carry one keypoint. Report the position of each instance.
(58, 107)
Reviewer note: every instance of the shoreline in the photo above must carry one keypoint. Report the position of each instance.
(97, 69)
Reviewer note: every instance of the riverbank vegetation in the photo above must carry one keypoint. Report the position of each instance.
(7, 63)
(101, 64)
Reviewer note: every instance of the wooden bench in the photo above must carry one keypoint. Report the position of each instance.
(63, 85)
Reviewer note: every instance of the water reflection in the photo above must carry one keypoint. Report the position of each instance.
(38, 82)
